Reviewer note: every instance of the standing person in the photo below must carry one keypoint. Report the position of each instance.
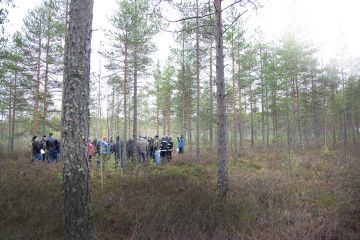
(118, 149)
(170, 145)
(181, 144)
(111, 145)
(43, 147)
(157, 150)
(151, 148)
(130, 149)
(90, 150)
(163, 148)
(96, 145)
(142, 146)
(104, 150)
(36, 149)
(53, 147)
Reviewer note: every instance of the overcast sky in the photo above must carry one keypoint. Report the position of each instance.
(325, 22)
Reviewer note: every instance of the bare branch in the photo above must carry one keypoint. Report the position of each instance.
(233, 22)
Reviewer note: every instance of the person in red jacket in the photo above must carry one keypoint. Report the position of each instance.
(90, 150)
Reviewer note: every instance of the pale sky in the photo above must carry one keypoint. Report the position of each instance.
(325, 22)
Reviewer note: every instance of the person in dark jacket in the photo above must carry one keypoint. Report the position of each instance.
(169, 148)
(53, 147)
(118, 149)
(130, 147)
(96, 147)
(36, 148)
(43, 146)
(163, 148)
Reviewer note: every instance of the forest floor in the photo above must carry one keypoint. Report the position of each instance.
(272, 195)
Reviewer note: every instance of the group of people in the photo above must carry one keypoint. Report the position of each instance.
(45, 149)
(136, 150)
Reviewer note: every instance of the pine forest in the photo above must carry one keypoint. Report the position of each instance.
(182, 119)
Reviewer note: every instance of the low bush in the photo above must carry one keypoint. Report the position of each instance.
(317, 198)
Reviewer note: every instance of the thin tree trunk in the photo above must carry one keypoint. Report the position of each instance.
(46, 84)
(135, 96)
(222, 181)
(233, 97)
(124, 156)
(211, 110)
(168, 118)
(298, 119)
(13, 120)
(183, 84)
(251, 115)
(211, 134)
(190, 132)
(164, 123)
(197, 85)
(240, 110)
(157, 114)
(76, 177)
(37, 87)
(262, 97)
(10, 111)
(99, 100)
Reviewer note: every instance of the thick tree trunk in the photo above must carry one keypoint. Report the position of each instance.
(77, 210)
(222, 181)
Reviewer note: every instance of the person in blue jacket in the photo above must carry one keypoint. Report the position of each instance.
(104, 151)
(181, 144)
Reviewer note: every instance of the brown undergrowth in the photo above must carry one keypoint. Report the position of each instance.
(272, 195)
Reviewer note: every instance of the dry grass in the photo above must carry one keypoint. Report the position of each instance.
(273, 195)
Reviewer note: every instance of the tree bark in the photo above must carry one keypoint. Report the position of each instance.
(77, 210)
(62, 83)
(222, 180)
